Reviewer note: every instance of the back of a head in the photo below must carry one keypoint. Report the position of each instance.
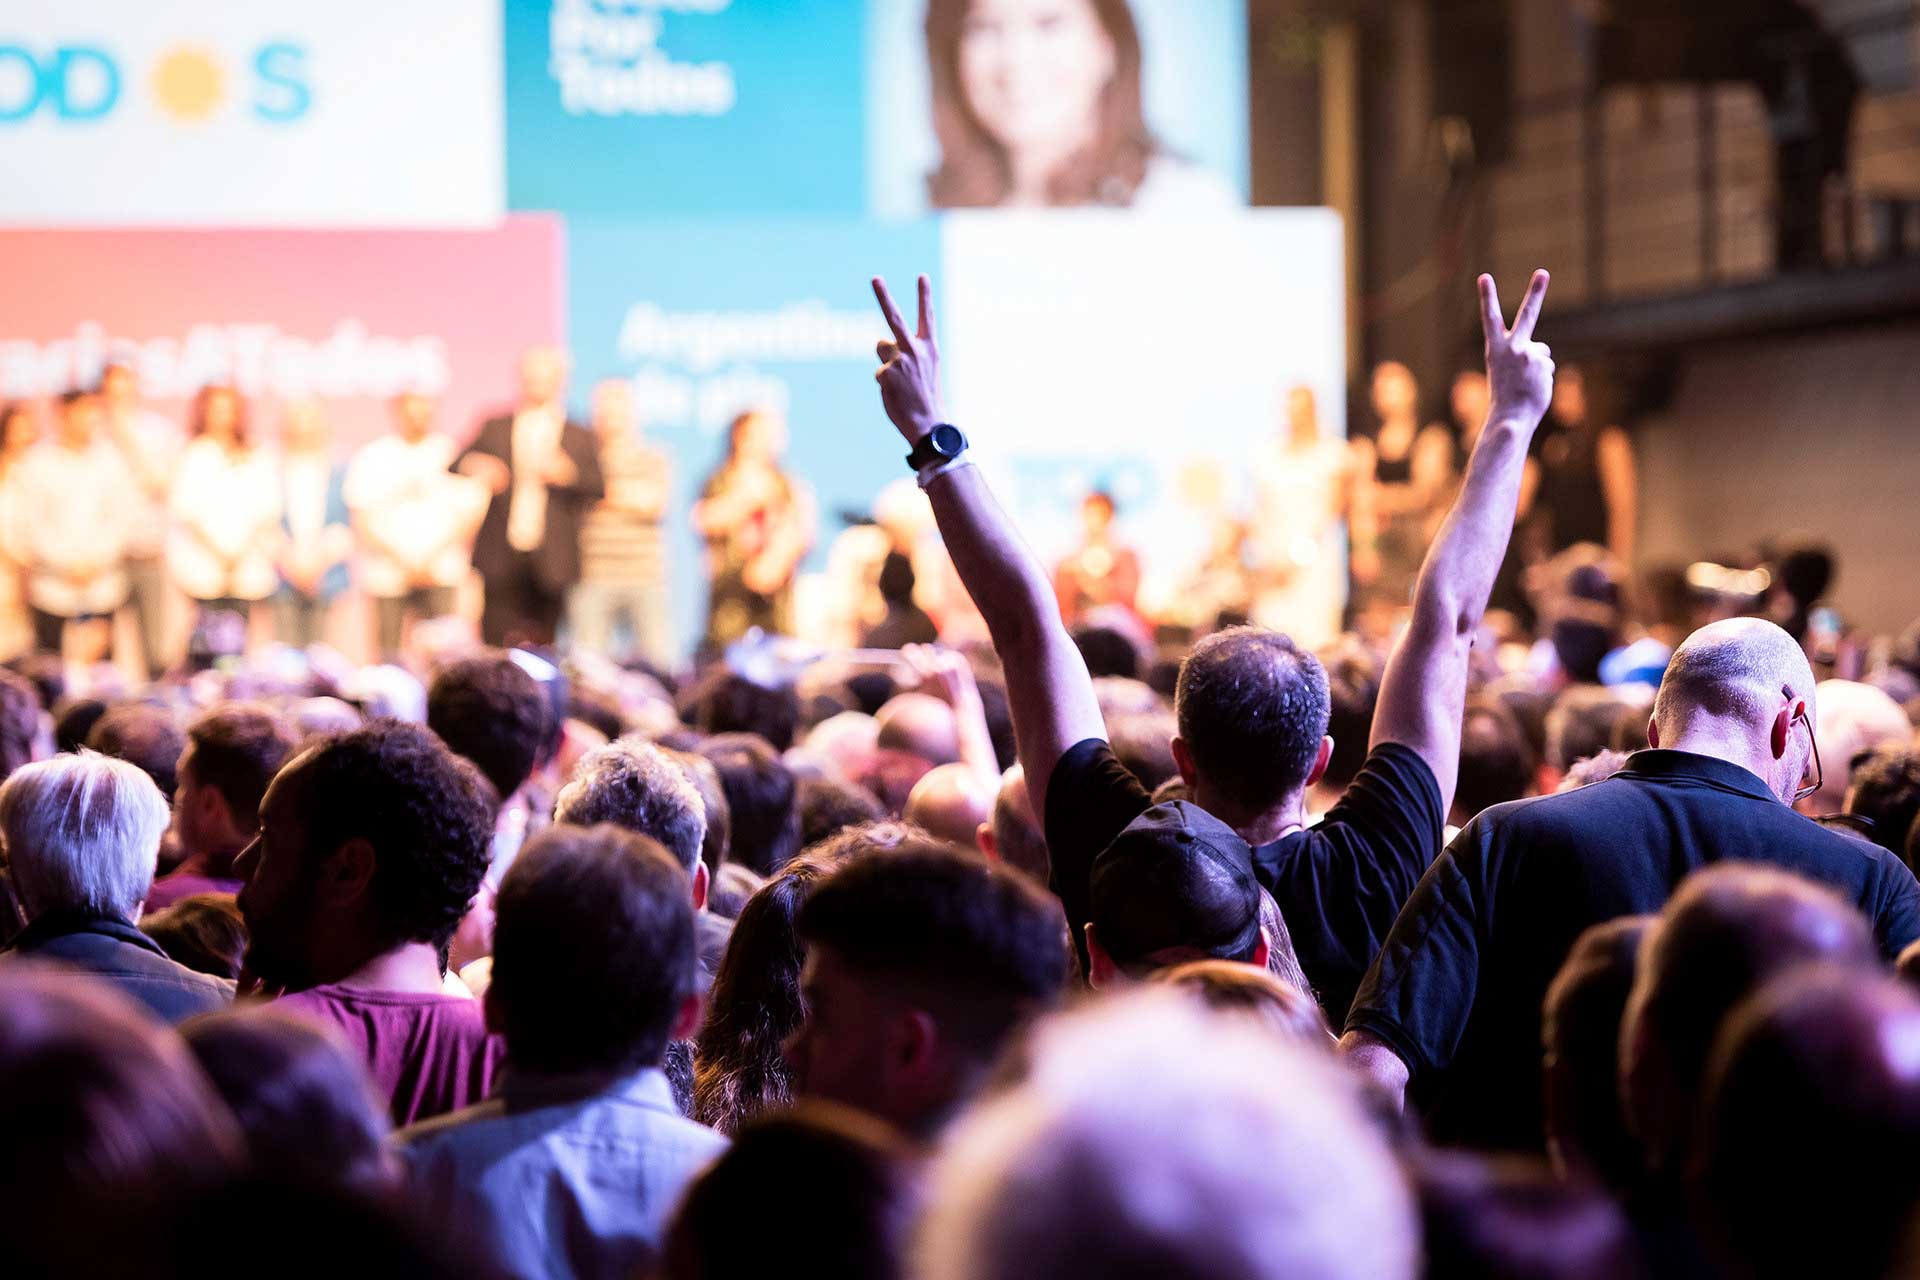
(105, 1117)
(427, 813)
(981, 944)
(1227, 986)
(19, 722)
(147, 737)
(1810, 1117)
(1854, 718)
(1580, 1027)
(1581, 724)
(731, 703)
(73, 720)
(761, 799)
(638, 787)
(1177, 884)
(487, 709)
(921, 725)
(203, 931)
(236, 749)
(1511, 1219)
(847, 741)
(713, 800)
(829, 806)
(950, 802)
(1108, 652)
(831, 1177)
(1353, 691)
(1018, 839)
(82, 835)
(1127, 1151)
(1252, 709)
(593, 952)
(1725, 932)
(1885, 789)
(302, 1099)
(1734, 671)
(1143, 742)
(740, 1068)
(1496, 764)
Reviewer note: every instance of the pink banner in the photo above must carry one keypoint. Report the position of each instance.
(349, 317)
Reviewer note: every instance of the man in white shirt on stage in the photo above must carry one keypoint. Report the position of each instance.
(415, 520)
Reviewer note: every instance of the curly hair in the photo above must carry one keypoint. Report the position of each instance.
(490, 711)
(638, 787)
(427, 813)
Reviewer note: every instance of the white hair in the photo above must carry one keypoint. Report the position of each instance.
(1177, 1141)
(82, 833)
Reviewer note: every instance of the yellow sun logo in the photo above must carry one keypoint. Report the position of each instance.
(188, 84)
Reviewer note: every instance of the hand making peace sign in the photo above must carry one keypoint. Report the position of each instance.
(909, 373)
(1519, 370)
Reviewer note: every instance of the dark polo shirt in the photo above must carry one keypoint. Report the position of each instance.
(1458, 987)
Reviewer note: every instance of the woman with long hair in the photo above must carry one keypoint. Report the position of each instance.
(758, 523)
(226, 508)
(1038, 103)
(739, 1068)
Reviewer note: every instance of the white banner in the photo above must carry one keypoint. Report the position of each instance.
(251, 112)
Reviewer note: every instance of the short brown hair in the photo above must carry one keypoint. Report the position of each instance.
(237, 748)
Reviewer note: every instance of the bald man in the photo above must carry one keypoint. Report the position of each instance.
(1450, 1011)
(951, 802)
(544, 474)
(1013, 835)
(920, 725)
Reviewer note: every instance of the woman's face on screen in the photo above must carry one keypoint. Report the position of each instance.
(1033, 72)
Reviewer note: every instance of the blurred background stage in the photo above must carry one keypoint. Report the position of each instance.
(348, 199)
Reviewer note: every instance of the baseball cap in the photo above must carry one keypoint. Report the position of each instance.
(1176, 876)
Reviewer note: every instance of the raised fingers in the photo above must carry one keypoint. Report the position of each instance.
(1529, 313)
(926, 308)
(891, 312)
(1492, 323)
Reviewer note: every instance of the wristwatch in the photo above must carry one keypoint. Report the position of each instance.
(941, 445)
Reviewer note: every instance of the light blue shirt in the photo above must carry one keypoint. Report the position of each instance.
(561, 1177)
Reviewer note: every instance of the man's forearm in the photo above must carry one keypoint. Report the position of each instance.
(1457, 579)
(1006, 581)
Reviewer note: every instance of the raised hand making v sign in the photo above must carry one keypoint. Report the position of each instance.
(909, 373)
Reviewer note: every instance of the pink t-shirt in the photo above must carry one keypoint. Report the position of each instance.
(428, 1054)
(169, 889)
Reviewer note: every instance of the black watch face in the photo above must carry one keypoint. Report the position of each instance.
(947, 440)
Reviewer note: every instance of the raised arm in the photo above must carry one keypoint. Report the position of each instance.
(1423, 692)
(1049, 691)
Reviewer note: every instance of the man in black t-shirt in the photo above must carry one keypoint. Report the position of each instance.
(1252, 708)
(1450, 1012)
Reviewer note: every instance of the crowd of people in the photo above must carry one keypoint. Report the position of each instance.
(1570, 943)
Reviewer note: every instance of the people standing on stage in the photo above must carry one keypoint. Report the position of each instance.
(759, 524)
(1581, 484)
(318, 539)
(415, 521)
(544, 474)
(226, 509)
(70, 501)
(623, 566)
(1404, 470)
(19, 432)
(1102, 570)
(150, 443)
(1303, 490)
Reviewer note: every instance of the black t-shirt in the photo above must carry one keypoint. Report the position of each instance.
(1458, 988)
(1339, 885)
